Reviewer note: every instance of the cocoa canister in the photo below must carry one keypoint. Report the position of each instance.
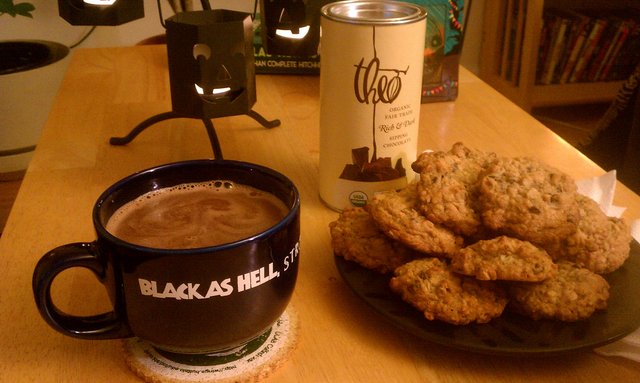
(370, 83)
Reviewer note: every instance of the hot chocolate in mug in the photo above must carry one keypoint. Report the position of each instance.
(187, 296)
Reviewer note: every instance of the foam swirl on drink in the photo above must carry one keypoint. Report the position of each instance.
(196, 215)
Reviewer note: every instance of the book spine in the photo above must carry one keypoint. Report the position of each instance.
(507, 44)
(604, 73)
(628, 57)
(607, 44)
(546, 37)
(589, 47)
(575, 49)
(517, 54)
(556, 52)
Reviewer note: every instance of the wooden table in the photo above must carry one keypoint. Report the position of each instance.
(108, 91)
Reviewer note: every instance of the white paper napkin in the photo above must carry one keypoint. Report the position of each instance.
(602, 189)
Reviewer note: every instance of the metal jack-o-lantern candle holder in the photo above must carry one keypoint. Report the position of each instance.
(100, 12)
(290, 27)
(211, 70)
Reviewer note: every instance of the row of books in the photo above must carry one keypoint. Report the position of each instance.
(588, 46)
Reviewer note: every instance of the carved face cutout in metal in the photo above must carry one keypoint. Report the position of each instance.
(287, 19)
(292, 20)
(100, 2)
(221, 68)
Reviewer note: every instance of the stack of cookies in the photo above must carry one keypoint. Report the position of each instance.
(479, 233)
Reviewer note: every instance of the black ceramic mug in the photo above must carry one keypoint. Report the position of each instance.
(199, 300)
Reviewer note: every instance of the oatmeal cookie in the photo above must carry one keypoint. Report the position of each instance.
(355, 237)
(394, 212)
(573, 294)
(447, 190)
(504, 258)
(600, 243)
(430, 286)
(524, 198)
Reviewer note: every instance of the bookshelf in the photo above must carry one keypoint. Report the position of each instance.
(511, 46)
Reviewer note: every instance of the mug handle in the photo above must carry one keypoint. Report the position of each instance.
(102, 326)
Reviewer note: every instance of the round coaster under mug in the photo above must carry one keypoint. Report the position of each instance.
(251, 362)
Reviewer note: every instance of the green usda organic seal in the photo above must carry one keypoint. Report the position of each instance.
(358, 198)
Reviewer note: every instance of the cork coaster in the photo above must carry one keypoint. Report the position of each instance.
(248, 363)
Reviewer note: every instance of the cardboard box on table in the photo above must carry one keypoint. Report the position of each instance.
(443, 47)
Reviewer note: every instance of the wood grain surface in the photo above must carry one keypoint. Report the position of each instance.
(107, 91)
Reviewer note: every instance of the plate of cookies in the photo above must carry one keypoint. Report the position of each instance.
(494, 255)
